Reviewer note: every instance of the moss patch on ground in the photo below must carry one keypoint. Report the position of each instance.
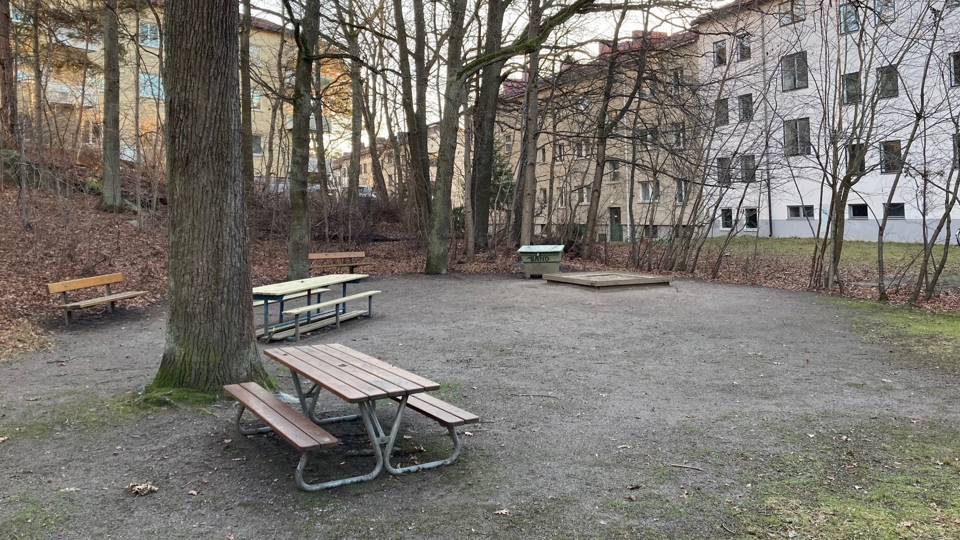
(919, 337)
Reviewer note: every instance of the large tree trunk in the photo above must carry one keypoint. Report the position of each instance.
(111, 109)
(8, 82)
(210, 334)
(299, 246)
(531, 129)
(438, 240)
(486, 118)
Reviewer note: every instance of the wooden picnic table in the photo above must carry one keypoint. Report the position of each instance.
(355, 378)
(277, 292)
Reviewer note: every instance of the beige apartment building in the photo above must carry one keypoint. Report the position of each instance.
(61, 90)
(650, 185)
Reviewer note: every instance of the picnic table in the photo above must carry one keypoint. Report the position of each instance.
(356, 378)
(278, 292)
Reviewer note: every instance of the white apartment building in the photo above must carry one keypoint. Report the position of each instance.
(817, 103)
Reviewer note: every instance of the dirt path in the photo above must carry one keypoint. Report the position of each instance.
(633, 413)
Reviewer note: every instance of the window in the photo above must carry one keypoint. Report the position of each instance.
(542, 197)
(857, 158)
(849, 19)
(794, 71)
(956, 150)
(748, 168)
(679, 136)
(651, 231)
(649, 191)
(859, 211)
(746, 107)
(724, 173)
(891, 161)
(721, 112)
(955, 69)
(681, 191)
(150, 86)
(257, 144)
(255, 99)
(508, 144)
(799, 212)
(885, 10)
(559, 154)
(726, 218)
(796, 137)
(676, 77)
(895, 210)
(543, 154)
(743, 47)
(751, 218)
(888, 82)
(614, 171)
(720, 53)
(150, 35)
(561, 198)
(851, 88)
(578, 149)
(648, 137)
(92, 132)
(583, 196)
(791, 11)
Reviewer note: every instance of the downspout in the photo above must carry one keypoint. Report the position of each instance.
(766, 123)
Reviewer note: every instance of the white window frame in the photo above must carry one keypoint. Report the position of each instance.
(151, 86)
(149, 35)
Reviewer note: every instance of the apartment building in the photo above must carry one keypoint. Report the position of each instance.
(61, 88)
(827, 113)
(769, 117)
(650, 184)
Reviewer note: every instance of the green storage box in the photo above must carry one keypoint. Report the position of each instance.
(540, 260)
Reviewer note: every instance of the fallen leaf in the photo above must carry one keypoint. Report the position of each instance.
(503, 512)
(811, 435)
(3, 439)
(468, 433)
(141, 489)
(227, 441)
(192, 492)
(633, 486)
(906, 524)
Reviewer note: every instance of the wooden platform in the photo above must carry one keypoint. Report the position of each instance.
(606, 281)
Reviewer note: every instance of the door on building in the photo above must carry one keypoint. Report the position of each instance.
(616, 227)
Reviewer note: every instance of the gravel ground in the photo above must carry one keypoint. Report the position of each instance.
(632, 413)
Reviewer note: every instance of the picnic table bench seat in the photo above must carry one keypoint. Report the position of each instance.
(63, 287)
(445, 414)
(337, 260)
(280, 418)
(294, 296)
(339, 306)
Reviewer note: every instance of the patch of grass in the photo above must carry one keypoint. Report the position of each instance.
(153, 397)
(915, 335)
(855, 253)
(448, 391)
(34, 518)
(882, 480)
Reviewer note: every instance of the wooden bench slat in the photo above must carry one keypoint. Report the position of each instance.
(296, 429)
(341, 265)
(336, 255)
(444, 413)
(424, 400)
(83, 283)
(422, 381)
(102, 300)
(329, 303)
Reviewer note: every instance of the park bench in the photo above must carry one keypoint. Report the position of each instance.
(280, 418)
(63, 287)
(338, 260)
(445, 414)
(339, 306)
